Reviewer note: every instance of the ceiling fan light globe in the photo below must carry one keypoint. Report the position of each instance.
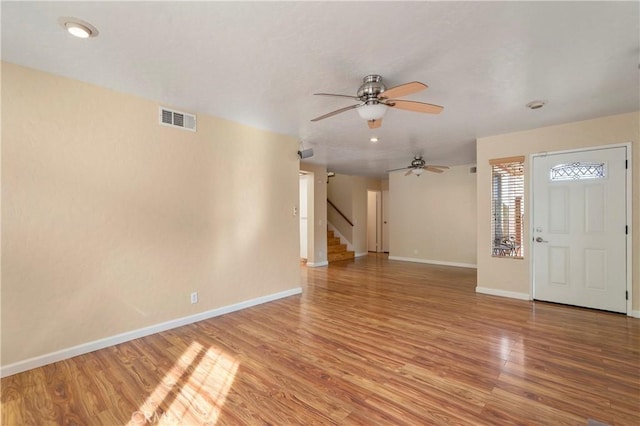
(372, 111)
(418, 172)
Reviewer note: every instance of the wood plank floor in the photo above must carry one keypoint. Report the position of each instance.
(369, 342)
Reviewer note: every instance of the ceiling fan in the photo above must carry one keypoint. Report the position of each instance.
(375, 98)
(418, 166)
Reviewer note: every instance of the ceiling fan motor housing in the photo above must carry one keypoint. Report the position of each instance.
(417, 162)
(371, 88)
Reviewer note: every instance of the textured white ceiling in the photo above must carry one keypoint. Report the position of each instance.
(259, 63)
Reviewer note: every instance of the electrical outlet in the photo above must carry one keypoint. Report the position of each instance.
(194, 297)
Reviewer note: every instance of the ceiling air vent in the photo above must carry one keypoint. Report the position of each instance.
(169, 117)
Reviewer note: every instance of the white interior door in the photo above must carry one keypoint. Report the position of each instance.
(304, 237)
(385, 221)
(372, 221)
(579, 228)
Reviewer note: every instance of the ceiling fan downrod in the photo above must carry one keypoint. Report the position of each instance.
(371, 88)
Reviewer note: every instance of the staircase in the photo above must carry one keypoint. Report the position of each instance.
(336, 250)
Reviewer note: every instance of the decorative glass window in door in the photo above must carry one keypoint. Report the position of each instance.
(507, 207)
(578, 171)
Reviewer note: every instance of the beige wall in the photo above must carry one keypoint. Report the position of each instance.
(317, 253)
(349, 194)
(512, 275)
(110, 220)
(432, 217)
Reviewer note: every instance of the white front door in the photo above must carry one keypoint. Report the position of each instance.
(579, 228)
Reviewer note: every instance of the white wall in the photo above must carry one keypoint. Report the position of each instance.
(432, 217)
(110, 221)
(511, 276)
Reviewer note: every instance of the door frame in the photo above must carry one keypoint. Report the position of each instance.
(529, 170)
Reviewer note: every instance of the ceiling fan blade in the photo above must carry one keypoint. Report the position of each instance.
(439, 167)
(395, 170)
(415, 106)
(403, 90)
(408, 172)
(339, 96)
(374, 124)
(336, 112)
(433, 169)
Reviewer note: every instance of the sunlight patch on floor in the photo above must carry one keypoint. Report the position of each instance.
(193, 391)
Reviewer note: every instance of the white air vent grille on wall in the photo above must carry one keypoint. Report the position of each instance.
(169, 117)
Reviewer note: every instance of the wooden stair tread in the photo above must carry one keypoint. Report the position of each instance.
(333, 241)
(336, 250)
(343, 255)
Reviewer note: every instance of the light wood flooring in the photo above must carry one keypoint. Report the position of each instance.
(369, 342)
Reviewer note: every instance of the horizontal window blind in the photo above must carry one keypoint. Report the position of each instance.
(507, 207)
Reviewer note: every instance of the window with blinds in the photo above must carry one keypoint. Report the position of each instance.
(507, 207)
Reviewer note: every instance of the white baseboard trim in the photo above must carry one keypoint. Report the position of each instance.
(39, 361)
(316, 264)
(635, 314)
(503, 293)
(434, 262)
(361, 254)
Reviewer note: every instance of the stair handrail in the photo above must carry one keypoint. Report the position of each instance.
(339, 212)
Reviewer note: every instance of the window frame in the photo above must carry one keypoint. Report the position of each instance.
(511, 202)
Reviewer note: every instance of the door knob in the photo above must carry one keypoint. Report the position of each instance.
(540, 240)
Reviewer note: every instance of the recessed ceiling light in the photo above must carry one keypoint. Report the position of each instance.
(536, 104)
(77, 27)
(373, 139)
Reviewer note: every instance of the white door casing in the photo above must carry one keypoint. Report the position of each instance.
(579, 228)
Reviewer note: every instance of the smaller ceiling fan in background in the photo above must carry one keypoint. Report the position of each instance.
(418, 165)
(375, 98)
